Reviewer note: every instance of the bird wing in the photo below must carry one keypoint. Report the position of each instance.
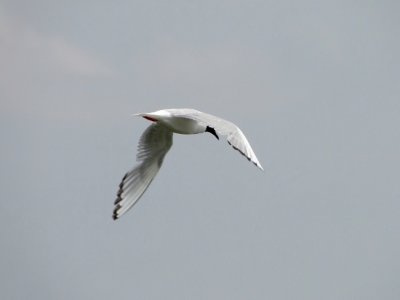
(153, 145)
(234, 135)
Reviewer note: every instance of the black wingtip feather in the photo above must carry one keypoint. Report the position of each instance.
(115, 212)
(121, 189)
(123, 181)
(241, 152)
(118, 200)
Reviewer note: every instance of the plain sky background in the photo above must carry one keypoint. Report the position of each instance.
(315, 87)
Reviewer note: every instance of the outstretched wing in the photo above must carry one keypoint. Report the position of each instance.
(234, 135)
(154, 143)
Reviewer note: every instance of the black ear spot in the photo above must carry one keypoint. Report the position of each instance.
(212, 131)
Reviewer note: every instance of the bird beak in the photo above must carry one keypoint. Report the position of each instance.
(150, 118)
(146, 116)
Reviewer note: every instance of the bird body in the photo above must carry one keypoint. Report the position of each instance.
(174, 122)
(156, 141)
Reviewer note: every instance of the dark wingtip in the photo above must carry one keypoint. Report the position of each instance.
(123, 181)
(248, 158)
(258, 165)
(115, 212)
(212, 131)
(118, 200)
(121, 189)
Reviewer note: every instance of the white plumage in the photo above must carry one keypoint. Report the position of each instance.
(156, 140)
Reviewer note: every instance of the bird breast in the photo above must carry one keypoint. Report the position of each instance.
(183, 125)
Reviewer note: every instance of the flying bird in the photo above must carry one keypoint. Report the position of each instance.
(156, 140)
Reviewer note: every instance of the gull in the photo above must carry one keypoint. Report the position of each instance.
(156, 140)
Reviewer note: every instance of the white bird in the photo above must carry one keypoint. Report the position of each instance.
(156, 140)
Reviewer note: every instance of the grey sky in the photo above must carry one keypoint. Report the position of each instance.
(314, 85)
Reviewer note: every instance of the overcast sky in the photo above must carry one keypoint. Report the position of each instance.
(315, 87)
